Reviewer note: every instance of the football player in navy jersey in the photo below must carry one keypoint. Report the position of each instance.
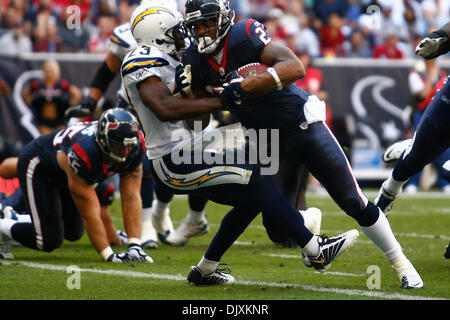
(432, 136)
(148, 75)
(221, 48)
(57, 173)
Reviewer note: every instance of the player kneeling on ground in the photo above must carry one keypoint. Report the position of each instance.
(57, 173)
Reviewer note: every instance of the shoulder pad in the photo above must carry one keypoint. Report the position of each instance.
(143, 57)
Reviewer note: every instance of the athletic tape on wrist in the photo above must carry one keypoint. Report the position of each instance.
(106, 253)
(275, 76)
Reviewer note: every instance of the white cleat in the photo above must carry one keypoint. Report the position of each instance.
(162, 223)
(5, 246)
(331, 248)
(395, 151)
(406, 273)
(187, 230)
(313, 221)
(149, 237)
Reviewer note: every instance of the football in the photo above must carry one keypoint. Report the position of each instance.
(251, 70)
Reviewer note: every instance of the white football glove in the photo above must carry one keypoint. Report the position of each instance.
(428, 47)
(121, 257)
(136, 253)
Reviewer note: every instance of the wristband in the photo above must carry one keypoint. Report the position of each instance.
(275, 76)
(134, 241)
(106, 253)
(438, 34)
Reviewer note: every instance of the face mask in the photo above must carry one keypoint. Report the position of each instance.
(206, 45)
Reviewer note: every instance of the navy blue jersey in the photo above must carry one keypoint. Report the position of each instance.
(84, 156)
(244, 44)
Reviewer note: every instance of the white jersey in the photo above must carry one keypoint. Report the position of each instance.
(142, 63)
(121, 42)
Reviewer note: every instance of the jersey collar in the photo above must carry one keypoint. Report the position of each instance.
(222, 67)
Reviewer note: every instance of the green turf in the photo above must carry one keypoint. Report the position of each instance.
(263, 270)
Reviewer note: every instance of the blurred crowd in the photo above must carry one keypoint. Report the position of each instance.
(321, 28)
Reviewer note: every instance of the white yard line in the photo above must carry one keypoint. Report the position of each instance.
(349, 292)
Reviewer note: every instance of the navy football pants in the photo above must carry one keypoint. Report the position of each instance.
(432, 137)
(53, 213)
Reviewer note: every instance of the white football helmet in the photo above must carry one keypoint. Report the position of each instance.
(159, 24)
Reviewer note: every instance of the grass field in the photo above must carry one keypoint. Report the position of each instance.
(263, 270)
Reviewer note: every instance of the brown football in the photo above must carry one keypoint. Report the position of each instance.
(251, 70)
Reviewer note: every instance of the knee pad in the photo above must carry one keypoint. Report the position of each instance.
(74, 235)
(51, 245)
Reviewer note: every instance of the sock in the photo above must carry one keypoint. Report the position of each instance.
(159, 208)
(207, 266)
(393, 186)
(312, 248)
(195, 216)
(24, 218)
(381, 234)
(146, 214)
(308, 218)
(6, 225)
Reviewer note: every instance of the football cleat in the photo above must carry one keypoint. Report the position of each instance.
(149, 238)
(8, 213)
(218, 277)
(395, 151)
(313, 220)
(187, 230)
(122, 236)
(447, 252)
(385, 200)
(406, 273)
(163, 223)
(331, 248)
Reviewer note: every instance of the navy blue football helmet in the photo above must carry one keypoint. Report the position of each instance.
(117, 134)
(217, 14)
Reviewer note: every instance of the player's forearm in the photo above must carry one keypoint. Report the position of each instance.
(88, 206)
(446, 29)
(90, 213)
(132, 214)
(111, 231)
(288, 69)
(288, 72)
(175, 109)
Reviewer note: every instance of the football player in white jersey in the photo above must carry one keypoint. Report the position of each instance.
(155, 212)
(148, 75)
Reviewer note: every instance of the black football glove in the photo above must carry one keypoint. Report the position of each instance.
(183, 80)
(136, 253)
(233, 96)
(84, 109)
